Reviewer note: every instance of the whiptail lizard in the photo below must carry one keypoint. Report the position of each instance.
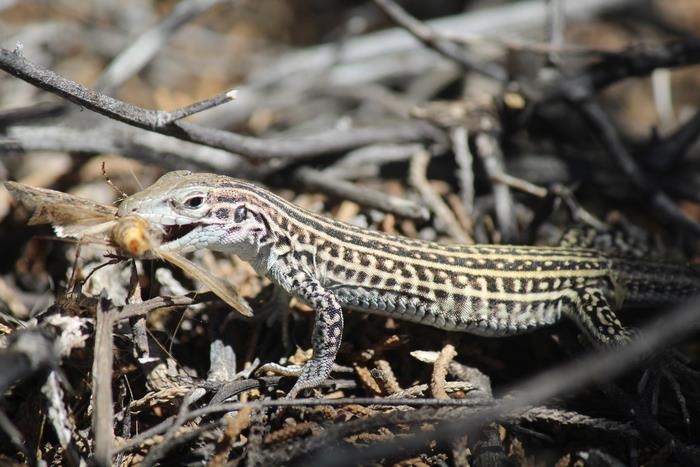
(489, 290)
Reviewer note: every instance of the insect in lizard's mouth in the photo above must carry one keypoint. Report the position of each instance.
(177, 231)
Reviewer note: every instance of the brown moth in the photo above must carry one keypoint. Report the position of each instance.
(91, 222)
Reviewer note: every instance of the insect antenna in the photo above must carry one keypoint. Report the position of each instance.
(119, 191)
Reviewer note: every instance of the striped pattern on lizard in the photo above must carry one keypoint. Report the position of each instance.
(488, 290)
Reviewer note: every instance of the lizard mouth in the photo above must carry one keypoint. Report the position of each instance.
(177, 231)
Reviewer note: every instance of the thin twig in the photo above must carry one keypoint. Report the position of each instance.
(488, 149)
(557, 22)
(31, 113)
(112, 137)
(366, 162)
(103, 413)
(252, 148)
(319, 180)
(140, 309)
(465, 168)
(437, 380)
(199, 106)
(417, 176)
(134, 57)
(520, 185)
(596, 366)
(431, 38)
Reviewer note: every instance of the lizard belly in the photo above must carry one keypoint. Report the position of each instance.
(468, 314)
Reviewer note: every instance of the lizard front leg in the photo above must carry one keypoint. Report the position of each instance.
(327, 336)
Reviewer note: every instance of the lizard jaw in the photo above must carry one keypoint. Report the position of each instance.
(175, 232)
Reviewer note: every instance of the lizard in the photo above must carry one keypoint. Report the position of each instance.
(488, 290)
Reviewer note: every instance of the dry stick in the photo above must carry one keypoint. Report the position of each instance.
(556, 20)
(465, 169)
(215, 408)
(211, 409)
(30, 113)
(610, 137)
(520, 185)
(140, 309)
(319, 180)
(558, 381)
(366, 162)
(114, 137)
(197, 107)
(567, 418)
(417, 170)
(16, 438)
(171, 438)
(489, 151)
(162, 122)
(388, 381)
(103, 413)
(437, 379)
(380, 55)
(141, 51)
(431, 38)
(156, 452)
(61, 419)
(233, 426)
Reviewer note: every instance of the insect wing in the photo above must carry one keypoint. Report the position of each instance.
(221, 289)
(71, 216)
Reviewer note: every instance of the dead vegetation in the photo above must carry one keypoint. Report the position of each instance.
(483, 121)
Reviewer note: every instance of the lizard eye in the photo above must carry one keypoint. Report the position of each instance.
(194, 202)
(240, 214)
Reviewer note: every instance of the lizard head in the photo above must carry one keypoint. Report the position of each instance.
(193, 211)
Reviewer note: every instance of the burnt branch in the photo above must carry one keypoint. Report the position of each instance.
(624, 160)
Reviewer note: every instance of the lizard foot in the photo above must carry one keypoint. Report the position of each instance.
(313, 373)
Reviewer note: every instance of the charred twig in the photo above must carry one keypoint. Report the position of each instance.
(565, 379)
(634, 62)
(610, 137)
(568, 418)
(664, 154)
(157, 452)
